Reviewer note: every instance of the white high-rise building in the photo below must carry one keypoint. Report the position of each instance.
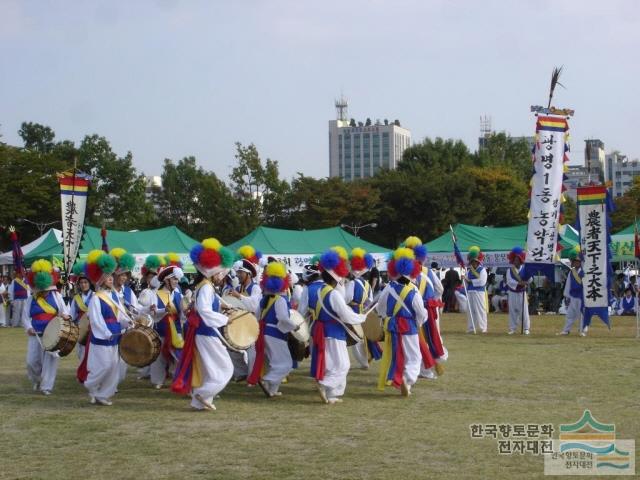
(361, 150)
(620, 171)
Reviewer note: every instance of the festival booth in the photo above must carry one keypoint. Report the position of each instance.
(622, 245)
(139, 243)
(48, 240)
(296, 247)
(495, 243)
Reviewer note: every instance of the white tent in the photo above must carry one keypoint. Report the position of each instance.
(7, 257)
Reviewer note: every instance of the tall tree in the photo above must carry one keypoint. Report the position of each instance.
(118, 193)
(37, 137)
(501, 150)
(627, 207)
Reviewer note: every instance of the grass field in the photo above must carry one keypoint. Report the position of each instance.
(492, 378)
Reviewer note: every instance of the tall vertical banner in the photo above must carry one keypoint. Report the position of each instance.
(594, 206)
(545, 204)
(74, 187)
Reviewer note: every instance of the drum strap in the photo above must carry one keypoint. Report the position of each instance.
(21, 283)
(269, 306)
(422, 287)
(400, 299)
(576, 276)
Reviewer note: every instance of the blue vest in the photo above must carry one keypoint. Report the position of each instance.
(19, 292)
(86, 302)
(161, 327)
(110, 318)
(313, 292)
(575, 288)
(472, 276)
(248, 290)
(358, 295)
(520, 273)
(406, 311)
(205, 330)
(628, 305)
(271, 319)
(332, 328)
(39, 318)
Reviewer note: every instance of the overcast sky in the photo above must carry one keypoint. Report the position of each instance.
(167, 79)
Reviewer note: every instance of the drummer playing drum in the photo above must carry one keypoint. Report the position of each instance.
(80, 303)
(249, 293)
(45, 304)
(275, 324)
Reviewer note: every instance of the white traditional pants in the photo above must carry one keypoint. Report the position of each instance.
(280, 362)
(412, 358)
(359, 351)
(17, 306)
(216, 369)
(3, 315)
(158, 369)
(463, 304)
(336, 367)
(240, 367)
(477, 311)
(518, 311)
(496, 301)
(41, 366)
(103, 365)
(574, 312)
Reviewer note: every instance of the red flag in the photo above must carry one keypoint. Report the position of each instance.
(636, 240)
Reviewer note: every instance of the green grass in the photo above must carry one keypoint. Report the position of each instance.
(492, 378)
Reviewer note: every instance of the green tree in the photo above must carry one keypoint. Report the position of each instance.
(37, 137)
(501, 150)
(197, 202)
(118, 193)
(627, 207)
(449, 155)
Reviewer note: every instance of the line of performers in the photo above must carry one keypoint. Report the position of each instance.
(235, 329)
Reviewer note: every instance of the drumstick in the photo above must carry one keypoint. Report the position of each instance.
(373, 307)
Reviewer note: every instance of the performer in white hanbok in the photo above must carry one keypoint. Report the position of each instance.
(100, 367)
(121, 278)
(249, 293)
(359, 296)
(80, 303)
(168, 324)
(573, 294)
(18, 293)
(330, 358)
(205, 368)
(517, 285)
(148, 297)
(273, 360)
(476, 279)
(39, 309)
(402, 306)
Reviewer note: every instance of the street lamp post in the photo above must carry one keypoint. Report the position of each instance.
(40, 225)
(356, 228)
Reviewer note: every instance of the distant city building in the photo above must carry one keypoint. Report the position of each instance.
(577, 176)
(360, 150)
(619, 170)
(594, 157)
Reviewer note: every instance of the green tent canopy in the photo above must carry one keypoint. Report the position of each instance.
(296, 247)
(495, 242)
(138, 243)
(622, 244)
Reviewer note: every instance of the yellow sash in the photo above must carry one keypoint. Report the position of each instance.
(266, 309)
(422, 287)
(576, 276)
(45, 306)
(81, 305)
(323, 293)
(515, 273)
(385, 361)
(176, 339)
(22, 284)
(106, 298)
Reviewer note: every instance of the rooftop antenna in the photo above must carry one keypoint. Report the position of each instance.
(342, 106)
(485, 126)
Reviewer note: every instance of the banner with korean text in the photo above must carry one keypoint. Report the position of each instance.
(74, 187)
(545, 203)
(594, 205)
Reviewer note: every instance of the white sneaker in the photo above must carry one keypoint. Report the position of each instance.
(92, 400)
(562, 333)
(36, 386)
(46, 393)
(323, 393)
(104, 402)
(511, 332)
(333, 401)
(526, 332)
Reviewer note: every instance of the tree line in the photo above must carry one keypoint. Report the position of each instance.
(437, 183)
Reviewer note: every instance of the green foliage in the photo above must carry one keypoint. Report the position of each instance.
(627, 207)
(501, 150)
(36, 137)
